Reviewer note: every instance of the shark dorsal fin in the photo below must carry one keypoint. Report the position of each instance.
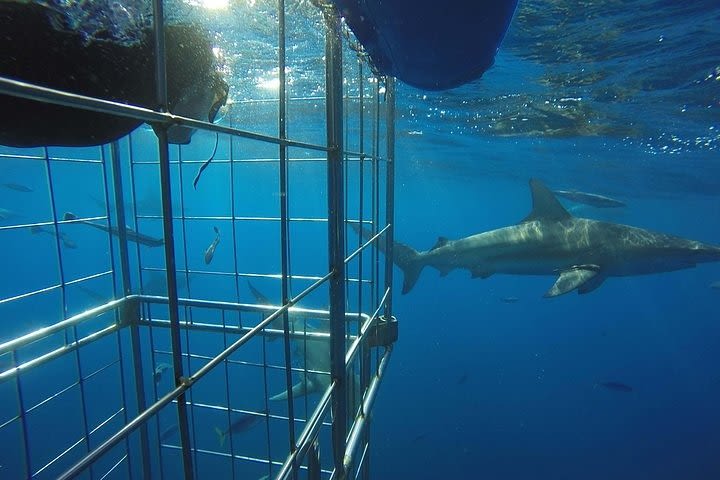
(441, 242)
(545, 205)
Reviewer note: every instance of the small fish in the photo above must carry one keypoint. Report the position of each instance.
(715, 285)
(509, 299)
(592, 199)
(17, 187)
(131, 234)
(64, 238)
(169, 432)
(93, 294)
(242, 424)
(420, 437)
(210, 252)
(616, 386)
(160, 370)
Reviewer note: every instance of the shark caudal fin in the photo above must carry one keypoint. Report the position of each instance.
(409, 260)
(221, 436)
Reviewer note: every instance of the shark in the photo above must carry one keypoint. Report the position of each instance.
(580, 252)
(313, 350)
(592, 199)
(130, 234)
(316, 352)
(241, 424)
(316, 378)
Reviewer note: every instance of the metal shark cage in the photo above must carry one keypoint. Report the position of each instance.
(105, 375)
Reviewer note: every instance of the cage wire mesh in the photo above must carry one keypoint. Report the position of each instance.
(124, 356)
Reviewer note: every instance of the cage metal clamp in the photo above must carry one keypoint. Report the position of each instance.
(384, 332)
(129, 312)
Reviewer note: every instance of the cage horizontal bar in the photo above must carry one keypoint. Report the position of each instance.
(49, 464)
(252, 101)
(262, 461)
(30, 91)
(51, 288)
(58, 352)
(52, 158)
(112, 469)
(237, 218)
(74, 320)
(357, 157)
(269, 366)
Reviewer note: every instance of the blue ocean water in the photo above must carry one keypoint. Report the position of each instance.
(598, 97)
(488, 379)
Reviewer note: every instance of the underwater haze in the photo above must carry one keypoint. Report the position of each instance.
(490, 380)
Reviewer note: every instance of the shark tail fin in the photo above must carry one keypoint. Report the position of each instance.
(410, 262)
(221, 436)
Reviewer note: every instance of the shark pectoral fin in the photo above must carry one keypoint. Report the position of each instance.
(480, 273)
(298, 390)
(444, 271)
(573, 278)
(591, 284)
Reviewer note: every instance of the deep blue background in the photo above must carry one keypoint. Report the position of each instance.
(510, 390)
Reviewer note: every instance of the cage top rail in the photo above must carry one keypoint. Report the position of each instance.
(31, 91)
(55, 158)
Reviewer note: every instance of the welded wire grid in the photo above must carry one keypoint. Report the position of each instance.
(110, 354)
